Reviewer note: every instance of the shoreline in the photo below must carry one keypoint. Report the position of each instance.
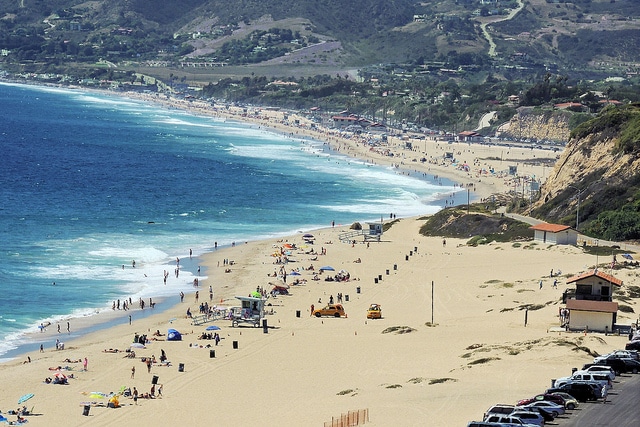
(99, 318)
(391, 375)
(341, 364)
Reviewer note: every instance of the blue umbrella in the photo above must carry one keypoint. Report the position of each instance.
(327, 268)
(627, 256)
(294, 273)
(25, 397)
(213, 328)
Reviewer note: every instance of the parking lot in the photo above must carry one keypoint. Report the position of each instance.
(621, 409)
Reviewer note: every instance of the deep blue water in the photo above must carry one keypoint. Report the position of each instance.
(90, 182)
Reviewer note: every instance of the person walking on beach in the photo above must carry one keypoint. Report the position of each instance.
(68, 327)
(148, 365)
(181, 296)
(135, 396)
(85, 363)
(41, 348)
(312, 308)
(133, 372)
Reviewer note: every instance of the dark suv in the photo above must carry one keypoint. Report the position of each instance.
(581, 391)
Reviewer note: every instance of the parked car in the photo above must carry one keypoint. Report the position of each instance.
(618, 354)
(631, 365)
(581, 391)
(618, 366)
(608, 370)
(529, 417)
(335, 310)
(548, 416)
(508, 420)
(632, 345)
(582, 377)
(485, 424)
(500, 409)
(554, 408)
(570, 402)
(550, 397)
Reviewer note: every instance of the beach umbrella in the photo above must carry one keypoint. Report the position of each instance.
(308, 236)
(137, 345)
(25, 397)
(627, 256)
(327, 268)
(294, 273)
(97, 395)
(279, 284)
(213, 328)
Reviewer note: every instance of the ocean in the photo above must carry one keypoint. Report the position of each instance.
(91, 182)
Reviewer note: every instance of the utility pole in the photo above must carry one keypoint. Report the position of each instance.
(578, 207)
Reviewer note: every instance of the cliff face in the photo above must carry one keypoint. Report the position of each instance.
(545, 125)
(593, 166)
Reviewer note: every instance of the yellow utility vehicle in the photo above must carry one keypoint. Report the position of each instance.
(374, 312)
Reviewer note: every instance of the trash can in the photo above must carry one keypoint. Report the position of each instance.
(235, 345)
(180, 367)
(375, 280)
(406, 257)
(415, 249)
(85, 410)
(410, 253)
(387, 272)
(379, 276)
(154, 380)
(573, 370)
(297, 313)
(346, 298)
(265, 326)
(212, 354)
(358, 290)
(395, 266)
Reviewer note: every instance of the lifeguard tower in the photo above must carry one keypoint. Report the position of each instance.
(251, 311)
(372, 232)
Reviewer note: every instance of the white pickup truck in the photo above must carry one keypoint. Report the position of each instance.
(585, 377)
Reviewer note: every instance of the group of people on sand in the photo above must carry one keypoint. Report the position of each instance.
(20, 413)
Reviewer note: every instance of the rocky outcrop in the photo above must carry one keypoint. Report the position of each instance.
(537, 124)
(594, 171)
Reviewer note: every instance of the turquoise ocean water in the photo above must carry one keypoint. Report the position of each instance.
(90, 182)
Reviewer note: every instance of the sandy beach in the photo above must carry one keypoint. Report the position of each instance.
(452, 340)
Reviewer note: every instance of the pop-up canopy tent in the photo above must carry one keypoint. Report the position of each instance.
(173, 335)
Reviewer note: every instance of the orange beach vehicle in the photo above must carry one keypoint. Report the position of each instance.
(374, 312)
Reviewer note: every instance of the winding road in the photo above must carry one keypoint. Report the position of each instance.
(485, 31)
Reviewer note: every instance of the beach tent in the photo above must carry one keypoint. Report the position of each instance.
(173, 335)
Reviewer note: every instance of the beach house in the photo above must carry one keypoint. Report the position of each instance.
(555, 234)
(592, 307)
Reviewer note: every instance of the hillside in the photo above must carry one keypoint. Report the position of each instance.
(601, 164)
(595, 35)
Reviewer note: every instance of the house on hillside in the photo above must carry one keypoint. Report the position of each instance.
(592, 307)
(341, 122)
(555, 234)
